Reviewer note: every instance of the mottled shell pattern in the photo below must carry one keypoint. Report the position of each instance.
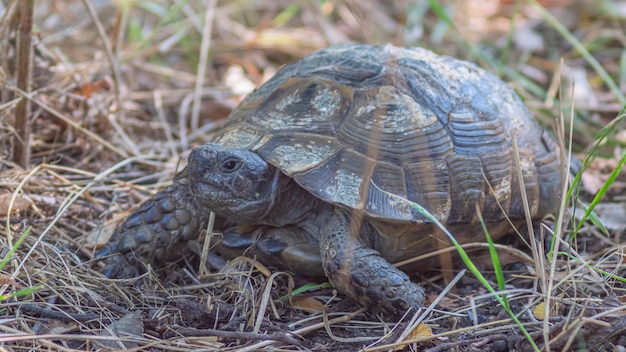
(368, 127)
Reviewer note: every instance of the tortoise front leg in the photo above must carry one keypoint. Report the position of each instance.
(360, 272)
(156, 233)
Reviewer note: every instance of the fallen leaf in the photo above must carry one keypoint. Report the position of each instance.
(21, 202)
(420, 331)
(131, 325)
(8, 281)
(57, 327)
(307, 304)
(89, 88)
(539, 311)
(236, 80)
(100, 235)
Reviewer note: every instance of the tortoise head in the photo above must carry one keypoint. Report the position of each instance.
(233, 182)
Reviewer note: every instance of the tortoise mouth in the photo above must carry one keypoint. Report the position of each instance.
(207, 192)
(221, 194)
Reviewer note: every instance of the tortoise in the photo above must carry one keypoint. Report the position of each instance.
(318, 171)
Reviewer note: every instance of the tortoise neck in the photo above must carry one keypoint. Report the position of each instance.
(291, 205)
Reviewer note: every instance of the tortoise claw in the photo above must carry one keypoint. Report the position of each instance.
(117, 268)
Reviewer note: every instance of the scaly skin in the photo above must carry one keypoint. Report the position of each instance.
(359, 271)
(156, 233)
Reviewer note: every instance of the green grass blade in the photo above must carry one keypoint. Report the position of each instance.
(21, 293)
(602, 137)
(13, 249)
(610, 180)
(495, 260)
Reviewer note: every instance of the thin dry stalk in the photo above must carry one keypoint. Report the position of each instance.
(202, 64)
(21, 144)
(113, 61)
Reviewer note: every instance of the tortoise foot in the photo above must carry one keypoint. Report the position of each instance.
(378, 284)
(361, 273)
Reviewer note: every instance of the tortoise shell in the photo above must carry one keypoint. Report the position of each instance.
(366, 127)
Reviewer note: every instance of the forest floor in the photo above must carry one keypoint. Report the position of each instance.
(121, 91)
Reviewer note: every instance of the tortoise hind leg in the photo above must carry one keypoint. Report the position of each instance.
(360, 272)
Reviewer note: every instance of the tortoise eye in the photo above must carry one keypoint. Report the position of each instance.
(230, 165)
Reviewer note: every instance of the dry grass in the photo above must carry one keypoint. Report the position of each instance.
(117, 100)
